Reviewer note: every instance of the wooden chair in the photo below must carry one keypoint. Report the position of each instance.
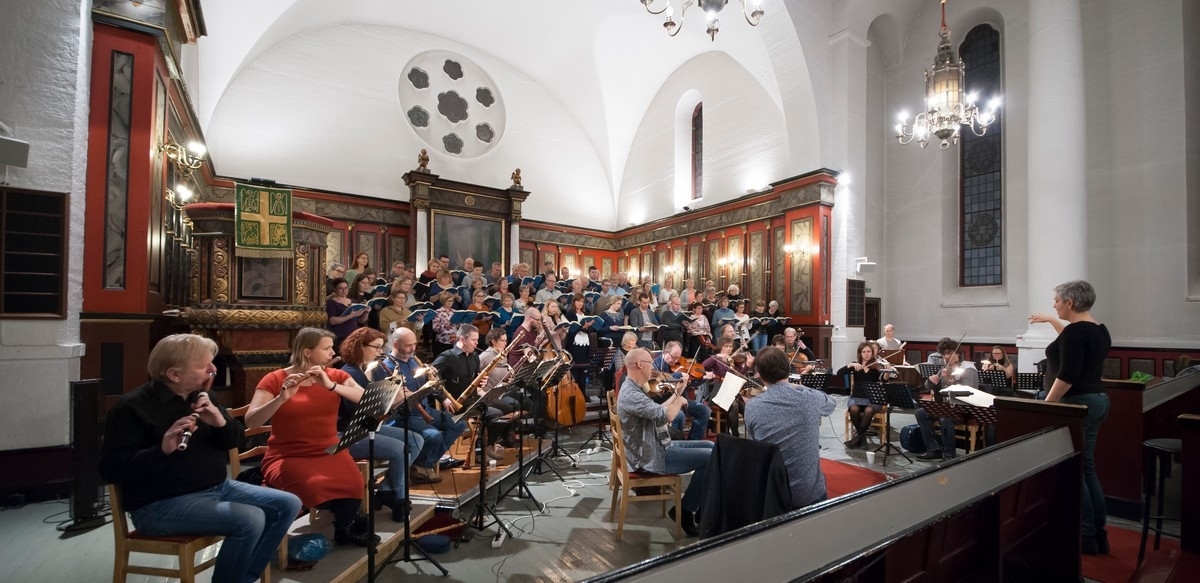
(625, 481)
(878, 423)
(183, 547)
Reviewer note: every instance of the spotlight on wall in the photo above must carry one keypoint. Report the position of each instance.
(861, 265)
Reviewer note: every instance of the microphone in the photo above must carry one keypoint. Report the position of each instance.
(187, 435)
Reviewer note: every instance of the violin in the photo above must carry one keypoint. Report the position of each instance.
(660, 390)
(690, 367)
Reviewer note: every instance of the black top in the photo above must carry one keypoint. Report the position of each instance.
(674, 326)
(132, 454)
(861, 377)
(1077, 357)
(457, 368)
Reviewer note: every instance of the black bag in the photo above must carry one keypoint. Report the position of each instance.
(911, 439)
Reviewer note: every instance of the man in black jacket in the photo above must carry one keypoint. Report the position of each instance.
(170, 488)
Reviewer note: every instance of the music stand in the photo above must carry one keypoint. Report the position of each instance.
(1029, 384)
(927, 370)
(482, 510)
(523, 377)
(996, 380)
(372, 411)
(601, 361)
(889, 396)
(557, 372)
(961, 412)
(819, 382)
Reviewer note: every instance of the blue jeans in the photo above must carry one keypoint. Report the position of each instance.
(389, 445)
(253, 520)
(759, 342)
(439, 435)
(699, 412)
(1095, 511)
(690, 456)
(932, 443)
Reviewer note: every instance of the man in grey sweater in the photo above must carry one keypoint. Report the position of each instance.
(648, 446)
(790, 416)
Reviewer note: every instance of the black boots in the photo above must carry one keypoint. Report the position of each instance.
(687, 521)
(355, 533)
(398, 505)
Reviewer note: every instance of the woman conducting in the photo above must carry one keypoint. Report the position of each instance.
(1075, 361)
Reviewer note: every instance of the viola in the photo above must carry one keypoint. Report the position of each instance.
(689, 367)
(659, 390)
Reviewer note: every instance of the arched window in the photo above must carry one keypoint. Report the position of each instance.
(981, 187)
(698, 151)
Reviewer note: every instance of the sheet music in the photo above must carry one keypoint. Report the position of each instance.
(976, 397)
(730, 387)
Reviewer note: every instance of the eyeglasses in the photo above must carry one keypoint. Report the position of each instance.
(375, 346)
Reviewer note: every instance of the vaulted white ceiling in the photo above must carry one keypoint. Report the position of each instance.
(311, 92)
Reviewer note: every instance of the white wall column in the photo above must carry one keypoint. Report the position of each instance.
(422, 240)
(848, 154)
(514, 244)
(1057, 163)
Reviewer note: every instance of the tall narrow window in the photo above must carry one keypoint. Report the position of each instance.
(981, 219)
(698, 151)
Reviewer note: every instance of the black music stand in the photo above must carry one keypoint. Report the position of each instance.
(996, 380)
(372, 412)
(819, 382)
(1029, 384)
(482, 510)
(555, 375)
(927, 370)
(960, 412)
(523, 377)
(601, 361)
(889, 396)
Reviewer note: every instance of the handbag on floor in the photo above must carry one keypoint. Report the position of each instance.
(911, 439)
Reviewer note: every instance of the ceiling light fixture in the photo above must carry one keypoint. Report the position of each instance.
(947, 109)
(710, 8)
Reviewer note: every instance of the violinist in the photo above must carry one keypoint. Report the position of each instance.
(716, 367)
(861, 411)
(648, 445)
(699, 412)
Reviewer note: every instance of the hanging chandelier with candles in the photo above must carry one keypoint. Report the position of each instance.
(710, 8)
(947, 109)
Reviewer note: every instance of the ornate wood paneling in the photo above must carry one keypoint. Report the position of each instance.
(606, 267)
(712, 270)
(693, 264)
(802, 268)
(779, 275)
(737, 261)
(758, 266)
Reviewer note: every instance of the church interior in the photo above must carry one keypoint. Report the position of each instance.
(792, 149)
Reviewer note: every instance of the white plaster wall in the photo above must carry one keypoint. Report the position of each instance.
(745, 142)
(558, 162)
(1137, 227)
(45, 63)
(921, 296)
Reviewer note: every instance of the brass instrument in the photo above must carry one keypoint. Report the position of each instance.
(433, 379)
(481, 378)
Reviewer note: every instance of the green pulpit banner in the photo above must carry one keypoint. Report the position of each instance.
(263, 222)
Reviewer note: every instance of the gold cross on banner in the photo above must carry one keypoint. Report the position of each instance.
(265, 228)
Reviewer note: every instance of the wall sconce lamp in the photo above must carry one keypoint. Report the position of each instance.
(799, 252)
(186, 159)
(861, 265)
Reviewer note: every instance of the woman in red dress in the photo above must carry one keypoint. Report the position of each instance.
(301, 401)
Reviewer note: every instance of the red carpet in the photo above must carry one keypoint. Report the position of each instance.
(1117, 566)
(843, 478)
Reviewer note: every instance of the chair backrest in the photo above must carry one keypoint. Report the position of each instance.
(120, 524)
(237, 455)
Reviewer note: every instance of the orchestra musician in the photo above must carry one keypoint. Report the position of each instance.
(699, 412)
(716, 367)
(889, 340)
(171, 490)
(301, 401)
(1000, 362)
(436, 426)
(955, 372)
(862, 412)
(530, 334)
(359, 352)
(507, 404)
(648, 445)
(698, 329)
(790, 416)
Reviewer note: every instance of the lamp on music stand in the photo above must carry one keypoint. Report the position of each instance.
(372, 411)
(889, 396)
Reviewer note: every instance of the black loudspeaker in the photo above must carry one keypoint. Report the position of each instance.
(85, 452)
